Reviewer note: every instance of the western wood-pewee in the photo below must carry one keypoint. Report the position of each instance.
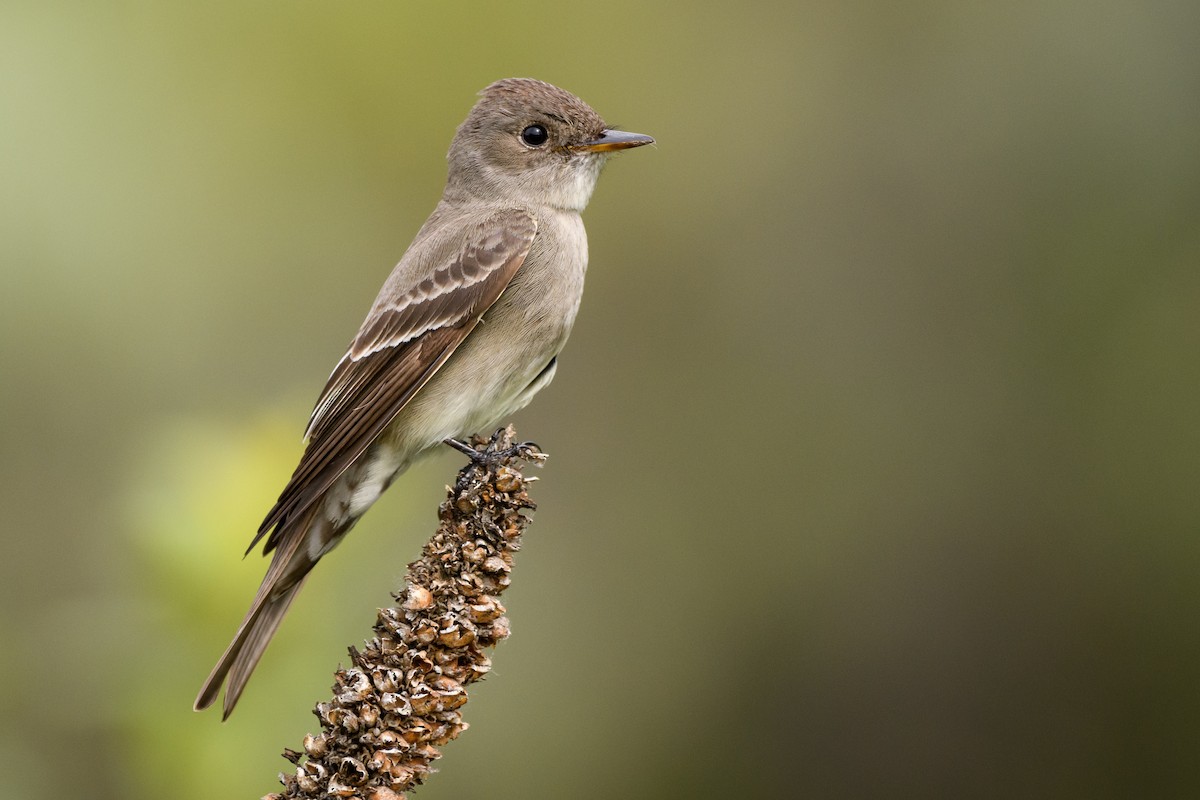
(463, 333)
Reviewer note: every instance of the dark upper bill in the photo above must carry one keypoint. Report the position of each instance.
(615, 140)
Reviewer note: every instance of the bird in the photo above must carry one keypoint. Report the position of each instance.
(466, 329)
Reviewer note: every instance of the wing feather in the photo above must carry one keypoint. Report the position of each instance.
(399, 348)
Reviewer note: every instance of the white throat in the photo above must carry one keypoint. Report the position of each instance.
(574, 190)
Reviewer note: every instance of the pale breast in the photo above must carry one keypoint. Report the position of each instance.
(487, 378)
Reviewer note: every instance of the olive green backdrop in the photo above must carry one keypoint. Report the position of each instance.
(875, 452)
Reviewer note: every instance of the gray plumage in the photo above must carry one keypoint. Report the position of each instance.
(463, 333)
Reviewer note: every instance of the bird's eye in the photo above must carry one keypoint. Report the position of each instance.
(534, 136)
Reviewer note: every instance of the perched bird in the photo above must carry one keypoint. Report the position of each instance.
(464, 332)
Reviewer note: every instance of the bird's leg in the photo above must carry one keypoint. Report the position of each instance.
(463, 447)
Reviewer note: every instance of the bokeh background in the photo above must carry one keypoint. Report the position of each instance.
(875, 452)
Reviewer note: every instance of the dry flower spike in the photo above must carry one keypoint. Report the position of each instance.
(401, 699)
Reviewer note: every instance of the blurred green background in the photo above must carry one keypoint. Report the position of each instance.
(875, 452)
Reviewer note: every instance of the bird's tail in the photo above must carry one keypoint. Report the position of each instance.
(243, 653)
(286, 575)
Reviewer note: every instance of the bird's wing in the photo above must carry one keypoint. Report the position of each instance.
(403, 342)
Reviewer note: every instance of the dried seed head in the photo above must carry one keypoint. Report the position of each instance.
(399, 700)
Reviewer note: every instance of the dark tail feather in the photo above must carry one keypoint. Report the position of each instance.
(247, 647)
(289, 569)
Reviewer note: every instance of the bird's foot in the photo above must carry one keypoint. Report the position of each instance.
(497, 450)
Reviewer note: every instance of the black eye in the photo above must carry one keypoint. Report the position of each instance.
(534, 136)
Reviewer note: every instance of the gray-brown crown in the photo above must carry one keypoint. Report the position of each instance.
(526, 99)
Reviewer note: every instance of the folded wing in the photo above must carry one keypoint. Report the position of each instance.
(402, 344)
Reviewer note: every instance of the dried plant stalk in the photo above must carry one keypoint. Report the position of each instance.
(401, 699)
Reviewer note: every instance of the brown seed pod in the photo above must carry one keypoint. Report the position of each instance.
(386, 680)
(353, 686)
(338, 788)
(456, 636)
(495, 564)
(425, 633)
(315, 746)
(419, 598)
(508, 480)
(384, 793)
(485, 609)
(445, 685)
(352, 771)
(397, 703)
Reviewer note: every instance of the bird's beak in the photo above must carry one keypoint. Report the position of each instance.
(610, 140)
